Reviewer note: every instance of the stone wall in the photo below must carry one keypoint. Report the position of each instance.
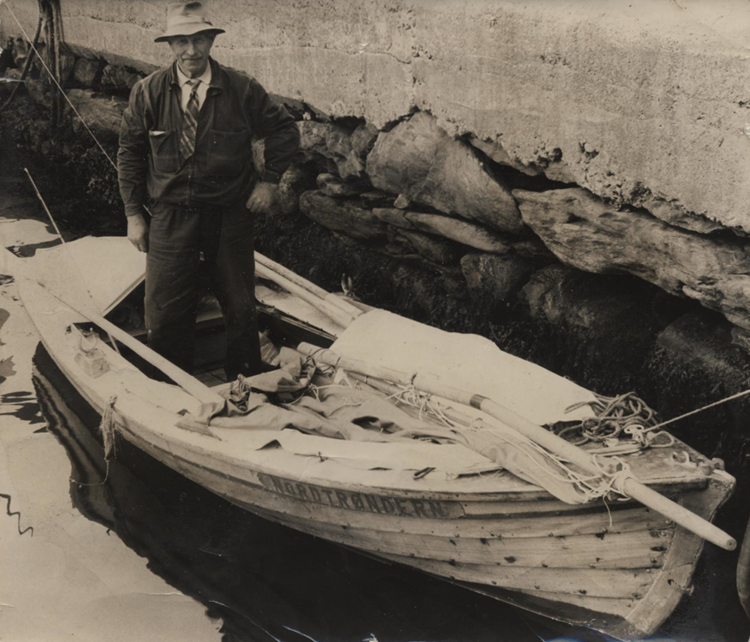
(640, 102)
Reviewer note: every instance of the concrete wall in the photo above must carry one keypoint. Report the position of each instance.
(645, 102)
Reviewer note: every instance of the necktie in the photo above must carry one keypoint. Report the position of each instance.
(190, 122)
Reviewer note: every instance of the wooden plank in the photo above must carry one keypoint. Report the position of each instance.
(617, 583)
(179, 376)
(674, 580)
(618, 551)
(639, 519)
(609, 606)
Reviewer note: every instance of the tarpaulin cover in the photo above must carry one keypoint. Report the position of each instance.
(464, 361)
(362, 419)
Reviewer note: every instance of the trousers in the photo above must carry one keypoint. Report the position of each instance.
(178, 238)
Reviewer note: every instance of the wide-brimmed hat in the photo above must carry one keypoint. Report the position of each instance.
(186, 19)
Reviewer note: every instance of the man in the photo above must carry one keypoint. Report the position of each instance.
(185, 147)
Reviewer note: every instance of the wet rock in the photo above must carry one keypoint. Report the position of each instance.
(119, 79)
(493, 279)
(464, 232)
(584, 232)
(433, 248)
(40, 92)
(402, 202)
(419, 159)
(103, 114)
(534, 248)
(498, 154)
(332, 185)
(67, 64)
(295, 181)
(334, 148)
(21, 50)
(363, 138)
(695, 356)
(347, 217)
(376, 198)
(741, 338)
(86, 71)
(604, 327)
(424, 292)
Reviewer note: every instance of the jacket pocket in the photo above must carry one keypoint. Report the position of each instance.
(165, 154)
(228, 152)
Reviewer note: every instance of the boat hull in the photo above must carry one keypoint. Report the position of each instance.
(620, 569)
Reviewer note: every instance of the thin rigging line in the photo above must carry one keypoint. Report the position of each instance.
(52, 76)
(69, 255)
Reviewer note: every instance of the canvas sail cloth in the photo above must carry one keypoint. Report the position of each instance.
(475, 364)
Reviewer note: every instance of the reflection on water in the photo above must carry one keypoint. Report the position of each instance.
(265, 581)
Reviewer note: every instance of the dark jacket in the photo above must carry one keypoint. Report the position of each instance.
(220, 172)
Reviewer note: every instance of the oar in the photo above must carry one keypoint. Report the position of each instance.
(346, 307)
(630, 486)
(340, 317)
(199, 390)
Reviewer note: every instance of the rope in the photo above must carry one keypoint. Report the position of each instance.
(613, 415)
(739, 395)
(107, 429)
(629, 414)
(601, 485)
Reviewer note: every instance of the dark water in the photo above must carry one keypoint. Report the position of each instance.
(262, 580)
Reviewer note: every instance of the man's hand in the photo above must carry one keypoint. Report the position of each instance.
(138, 232)
(262, 198)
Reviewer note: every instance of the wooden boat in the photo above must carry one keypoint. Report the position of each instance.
(443, 508)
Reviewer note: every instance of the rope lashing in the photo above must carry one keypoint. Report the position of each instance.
(612, 416)
(627, 413)
(107, 429)
(608, 482)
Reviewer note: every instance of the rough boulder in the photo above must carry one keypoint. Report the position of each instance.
(419, 159)
(586, 233)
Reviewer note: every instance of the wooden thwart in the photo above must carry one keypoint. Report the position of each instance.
(199, 390)
(628, 485)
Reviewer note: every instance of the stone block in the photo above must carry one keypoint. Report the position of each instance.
(295, 181)
(119, 79)
(588, 234)
(363, 138)
(602, 328)
(493, 279)
(103, 114)
(334, 148)
(347, 217)
(455, 229)
(419, 159)
(332, 185)
(697, 361)
(433, 248)
(402, 202)
(86, 71)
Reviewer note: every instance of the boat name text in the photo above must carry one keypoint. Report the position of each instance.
(366, 503)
